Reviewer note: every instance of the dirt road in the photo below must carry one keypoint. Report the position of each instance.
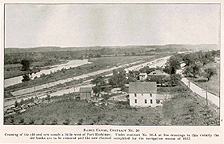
(211, 97)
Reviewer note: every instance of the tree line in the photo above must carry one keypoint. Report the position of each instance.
(194, 64)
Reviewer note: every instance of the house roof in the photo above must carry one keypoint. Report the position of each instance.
(143, 74)
(85, 89)
(158, 72)
(142, 87)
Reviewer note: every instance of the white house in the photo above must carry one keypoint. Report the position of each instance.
(143, 94)
(142, 76)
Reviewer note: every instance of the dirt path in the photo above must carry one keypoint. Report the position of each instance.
(211, 97)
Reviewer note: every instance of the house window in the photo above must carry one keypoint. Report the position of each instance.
(135, 100)
(142, 94)
(145, 100)
(151, 101)
(135, 94)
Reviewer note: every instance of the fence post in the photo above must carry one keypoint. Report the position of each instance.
(35, 91)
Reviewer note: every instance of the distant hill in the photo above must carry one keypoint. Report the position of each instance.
(174, 47)
(36, 49)
(47, 49)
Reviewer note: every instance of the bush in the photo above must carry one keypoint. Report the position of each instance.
(54, 122)
(21, 121)
(80, 122)
(67, 122)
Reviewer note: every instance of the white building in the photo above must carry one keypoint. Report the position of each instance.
(142, 76)
(143, 94)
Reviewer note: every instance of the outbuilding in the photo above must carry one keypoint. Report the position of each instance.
(86, 93)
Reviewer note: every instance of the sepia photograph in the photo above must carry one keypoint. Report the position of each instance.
(118, 64)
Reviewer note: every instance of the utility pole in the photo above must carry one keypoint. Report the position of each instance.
(206, 93)
(189, 82)
(35, 91)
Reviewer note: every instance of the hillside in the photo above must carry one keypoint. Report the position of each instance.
(174, 47)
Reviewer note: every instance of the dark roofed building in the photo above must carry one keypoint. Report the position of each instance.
(142, 87)
(158, 73)
(157, 76)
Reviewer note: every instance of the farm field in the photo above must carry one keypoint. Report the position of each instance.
(184, 108)
(12, 70)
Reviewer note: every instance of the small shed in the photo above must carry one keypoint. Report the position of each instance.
(86, 93)
(142, 76)
(157, 73)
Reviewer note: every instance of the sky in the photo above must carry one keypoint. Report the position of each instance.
(77, 25)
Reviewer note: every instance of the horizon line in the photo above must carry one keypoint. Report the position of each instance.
(106, 46)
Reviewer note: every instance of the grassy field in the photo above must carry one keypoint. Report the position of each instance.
(188, 109)
(184, 108)
(213, 84)
(12, 70)
(112, 61)
(82, 113)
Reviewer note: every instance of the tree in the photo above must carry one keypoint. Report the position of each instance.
(190, 59)
(202, 58)
(192, 70)
(195, 69)
(97, 90)
(25, 65)
(131, 77)
(174, 79)
(48, 98)
(134, 74)
(26, 77)
(209, 72)
(118, 79)
(173, 64)
(209, 56)
(22, 102)
(147, 70)
(98, 82)
(187, 71)
(160, 79)
(16, 103)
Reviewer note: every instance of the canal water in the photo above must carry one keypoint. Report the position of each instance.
(70, 64)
